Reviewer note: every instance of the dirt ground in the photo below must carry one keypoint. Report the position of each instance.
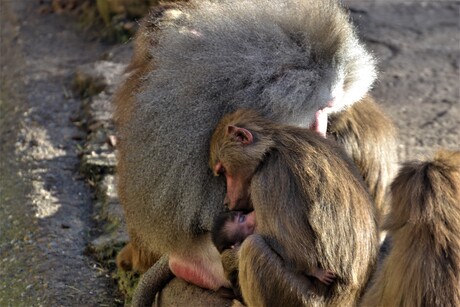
(418, 48)
(47, 207)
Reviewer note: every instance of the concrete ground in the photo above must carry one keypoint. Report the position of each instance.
(59, 226)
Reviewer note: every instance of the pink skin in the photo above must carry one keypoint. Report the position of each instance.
(237, 184)
(326, 277)
(199, 269)
(237, 197)
(320, 124)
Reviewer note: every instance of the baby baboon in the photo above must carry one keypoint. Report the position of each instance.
(295, 62)
(229, 231)
(312, 211)
(423, 265)
(231, 228)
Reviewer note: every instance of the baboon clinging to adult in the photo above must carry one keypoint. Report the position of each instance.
(312, 211)
(294, 62)
(229, 231)
(423, 265)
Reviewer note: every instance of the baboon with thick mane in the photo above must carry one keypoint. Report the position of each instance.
(295, 62)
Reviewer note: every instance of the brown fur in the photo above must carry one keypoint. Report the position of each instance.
(369, 138)
(312, 210)
(132, 258)
(230, 261)
(169, 198)
(151, 283)
(423, 265)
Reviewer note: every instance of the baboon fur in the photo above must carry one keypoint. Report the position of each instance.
(369, 137)
(194, 62)
(312, 210)
(423, 265)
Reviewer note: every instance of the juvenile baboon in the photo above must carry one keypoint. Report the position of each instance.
(293, 61)
(423, 265)
(229, 231)
(312, 211)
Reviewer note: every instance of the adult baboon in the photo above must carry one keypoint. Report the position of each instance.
(423, 264)
(295, 62)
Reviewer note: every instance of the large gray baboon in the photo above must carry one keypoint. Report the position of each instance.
(295, 62)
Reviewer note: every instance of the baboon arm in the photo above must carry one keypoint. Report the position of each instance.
(230, 260)
(152, 282)
(266, 281)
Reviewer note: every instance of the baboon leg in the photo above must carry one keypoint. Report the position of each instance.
(259, 264)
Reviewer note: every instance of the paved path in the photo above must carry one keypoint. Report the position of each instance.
(46, 207)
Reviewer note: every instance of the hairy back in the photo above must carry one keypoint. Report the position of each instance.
(423, 266)
(308, 193)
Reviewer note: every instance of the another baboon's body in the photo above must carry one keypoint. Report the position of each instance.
(423, 264)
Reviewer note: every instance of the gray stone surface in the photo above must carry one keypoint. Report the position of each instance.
(46, 206)
(418, 47)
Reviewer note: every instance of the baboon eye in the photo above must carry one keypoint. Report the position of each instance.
(241, 218)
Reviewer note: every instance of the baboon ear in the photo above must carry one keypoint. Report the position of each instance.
(244, 136)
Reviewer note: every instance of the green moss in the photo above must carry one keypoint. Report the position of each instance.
(127, 282)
